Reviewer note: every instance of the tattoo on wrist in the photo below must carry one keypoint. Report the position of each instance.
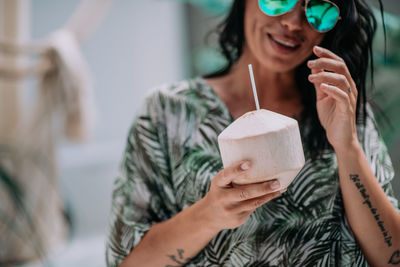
(356, 180)
(179, 258)
(395, 259)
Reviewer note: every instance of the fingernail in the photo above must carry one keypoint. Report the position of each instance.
(274, 185)
(311, 63)
(324, 85)
(312, 77)
(245, 166)
(318, 48)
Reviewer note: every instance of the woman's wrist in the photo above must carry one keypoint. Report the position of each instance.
(353, 146)
(201, 216)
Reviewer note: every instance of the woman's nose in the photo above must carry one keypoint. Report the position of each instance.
(293, 21)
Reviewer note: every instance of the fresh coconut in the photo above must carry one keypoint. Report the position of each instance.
(271, 142)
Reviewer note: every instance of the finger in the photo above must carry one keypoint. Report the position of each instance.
(334, 79)
(252, 204)
(323, 52)
(227, 175)
(250, 191)
(342, 98)
(335, 64)
(319, 93)
(315, 71)
(329, 65)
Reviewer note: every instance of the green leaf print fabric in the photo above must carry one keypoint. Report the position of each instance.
(172, 154)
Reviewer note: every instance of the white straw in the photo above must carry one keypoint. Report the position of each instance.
(253, 84)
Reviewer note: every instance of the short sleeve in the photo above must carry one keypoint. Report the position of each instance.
(378, 157)
(142, 193)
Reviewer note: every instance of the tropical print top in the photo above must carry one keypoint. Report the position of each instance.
(171, 156)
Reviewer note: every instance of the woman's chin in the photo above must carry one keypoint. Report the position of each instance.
(279, 65)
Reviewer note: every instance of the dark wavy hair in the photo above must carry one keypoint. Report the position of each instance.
(351, 39)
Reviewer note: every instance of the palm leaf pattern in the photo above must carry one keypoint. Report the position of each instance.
(172, 155)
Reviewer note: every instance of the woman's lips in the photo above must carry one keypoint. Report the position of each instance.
(282, 44)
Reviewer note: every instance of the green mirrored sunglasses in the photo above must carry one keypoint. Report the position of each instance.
(322, 15)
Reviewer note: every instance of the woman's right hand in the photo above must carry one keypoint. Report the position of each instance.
(226, 206)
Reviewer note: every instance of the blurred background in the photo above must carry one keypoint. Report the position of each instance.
(121, 49)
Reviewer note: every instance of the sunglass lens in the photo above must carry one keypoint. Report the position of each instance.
(276, 7)
(322, 15)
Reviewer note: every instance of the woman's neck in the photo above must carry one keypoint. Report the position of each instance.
(272, 86)
(276, 91)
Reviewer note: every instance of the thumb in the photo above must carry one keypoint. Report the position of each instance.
(227, 175)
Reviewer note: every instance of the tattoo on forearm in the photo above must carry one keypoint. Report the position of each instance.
(395, 259)
(365, 196)
(179, 259)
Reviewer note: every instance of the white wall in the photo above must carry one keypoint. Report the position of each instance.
(140, 44)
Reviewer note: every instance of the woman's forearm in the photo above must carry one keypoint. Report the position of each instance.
(177, 240)
(173, 242)
(372, 218)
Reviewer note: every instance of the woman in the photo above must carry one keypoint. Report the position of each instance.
(172, 203)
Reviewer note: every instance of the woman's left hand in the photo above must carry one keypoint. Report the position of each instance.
(336, 97)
